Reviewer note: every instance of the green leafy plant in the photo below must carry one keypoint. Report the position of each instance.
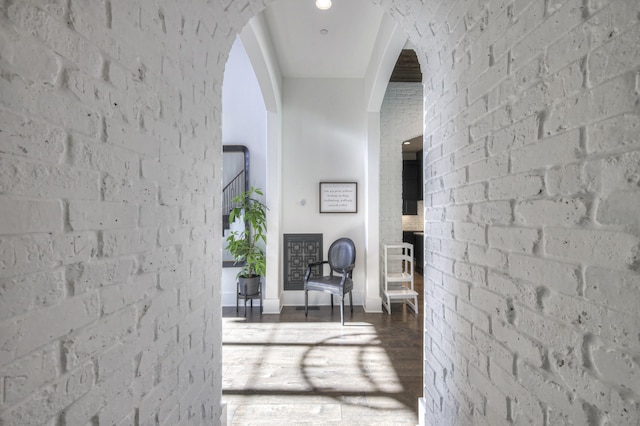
(245, 245)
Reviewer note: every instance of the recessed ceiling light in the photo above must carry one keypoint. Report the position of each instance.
(323, 4)
(324, 31)
(406, 143)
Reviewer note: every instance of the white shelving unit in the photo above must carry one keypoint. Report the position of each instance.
(398, 267)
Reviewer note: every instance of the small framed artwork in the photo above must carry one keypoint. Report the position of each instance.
(338, 197)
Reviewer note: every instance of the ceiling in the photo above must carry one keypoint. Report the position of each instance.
(336, 43)
(407, 69)
(414, 145)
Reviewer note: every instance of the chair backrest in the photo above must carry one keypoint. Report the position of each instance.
(342, 253)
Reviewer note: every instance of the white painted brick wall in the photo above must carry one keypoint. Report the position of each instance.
(533, 164)
(400, 120)
(531, 130)
(109, 143)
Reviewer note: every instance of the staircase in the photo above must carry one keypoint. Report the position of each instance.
(229, 192)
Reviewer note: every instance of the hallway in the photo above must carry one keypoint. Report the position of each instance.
(280, 369)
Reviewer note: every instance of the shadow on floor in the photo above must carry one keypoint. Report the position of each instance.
(290, 369)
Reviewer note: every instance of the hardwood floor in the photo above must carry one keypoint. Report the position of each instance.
(288, 369)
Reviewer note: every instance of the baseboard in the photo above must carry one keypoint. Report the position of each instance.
(373, 305)
(421, 411)
(271, 306)
(223, 414)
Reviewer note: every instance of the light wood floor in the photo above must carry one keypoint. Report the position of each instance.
(288, 369)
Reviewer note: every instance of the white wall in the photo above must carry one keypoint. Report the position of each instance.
(400, 120)
(324, 139)
(244, 122)
(244, 116)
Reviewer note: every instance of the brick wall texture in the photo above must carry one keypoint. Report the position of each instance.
(109, 178)
(400, 120)
(109, 249)
(532, 196)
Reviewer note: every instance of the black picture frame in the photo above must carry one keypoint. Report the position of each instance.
(338, 197)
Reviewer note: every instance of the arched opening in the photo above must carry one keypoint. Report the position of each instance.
(327, 98)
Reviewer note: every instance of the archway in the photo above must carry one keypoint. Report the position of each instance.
(251, 34)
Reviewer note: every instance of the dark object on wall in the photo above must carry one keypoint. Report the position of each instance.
(235, 166)
(338, 197)
(299, 251)
(341, 261)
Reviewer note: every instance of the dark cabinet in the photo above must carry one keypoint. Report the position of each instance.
(411, 185)
(418, 246)
(410, 179)
(409, 207)
(409, 237)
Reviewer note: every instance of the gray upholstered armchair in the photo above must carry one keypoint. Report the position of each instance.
(342, 258)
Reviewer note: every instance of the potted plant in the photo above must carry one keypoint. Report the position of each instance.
(246, 245)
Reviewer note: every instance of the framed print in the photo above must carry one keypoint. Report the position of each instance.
(338, 197)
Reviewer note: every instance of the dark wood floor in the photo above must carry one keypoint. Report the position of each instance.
(286, 368)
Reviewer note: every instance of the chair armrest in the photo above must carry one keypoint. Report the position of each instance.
(346, 273)
(312, 265)
(347, 270)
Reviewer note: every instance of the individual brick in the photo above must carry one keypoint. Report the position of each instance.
(124, 242)
(565, 180)
(523, 185)
(561, 277)
(547, 152)
(493, 167)
(513, 239)
(615, 133)
(616, 250)
(552, 212)
(620, 208)
(96, 215)
(31, 139)
(22, 293)
(48, 181)
(492, 212)
(23, 216)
